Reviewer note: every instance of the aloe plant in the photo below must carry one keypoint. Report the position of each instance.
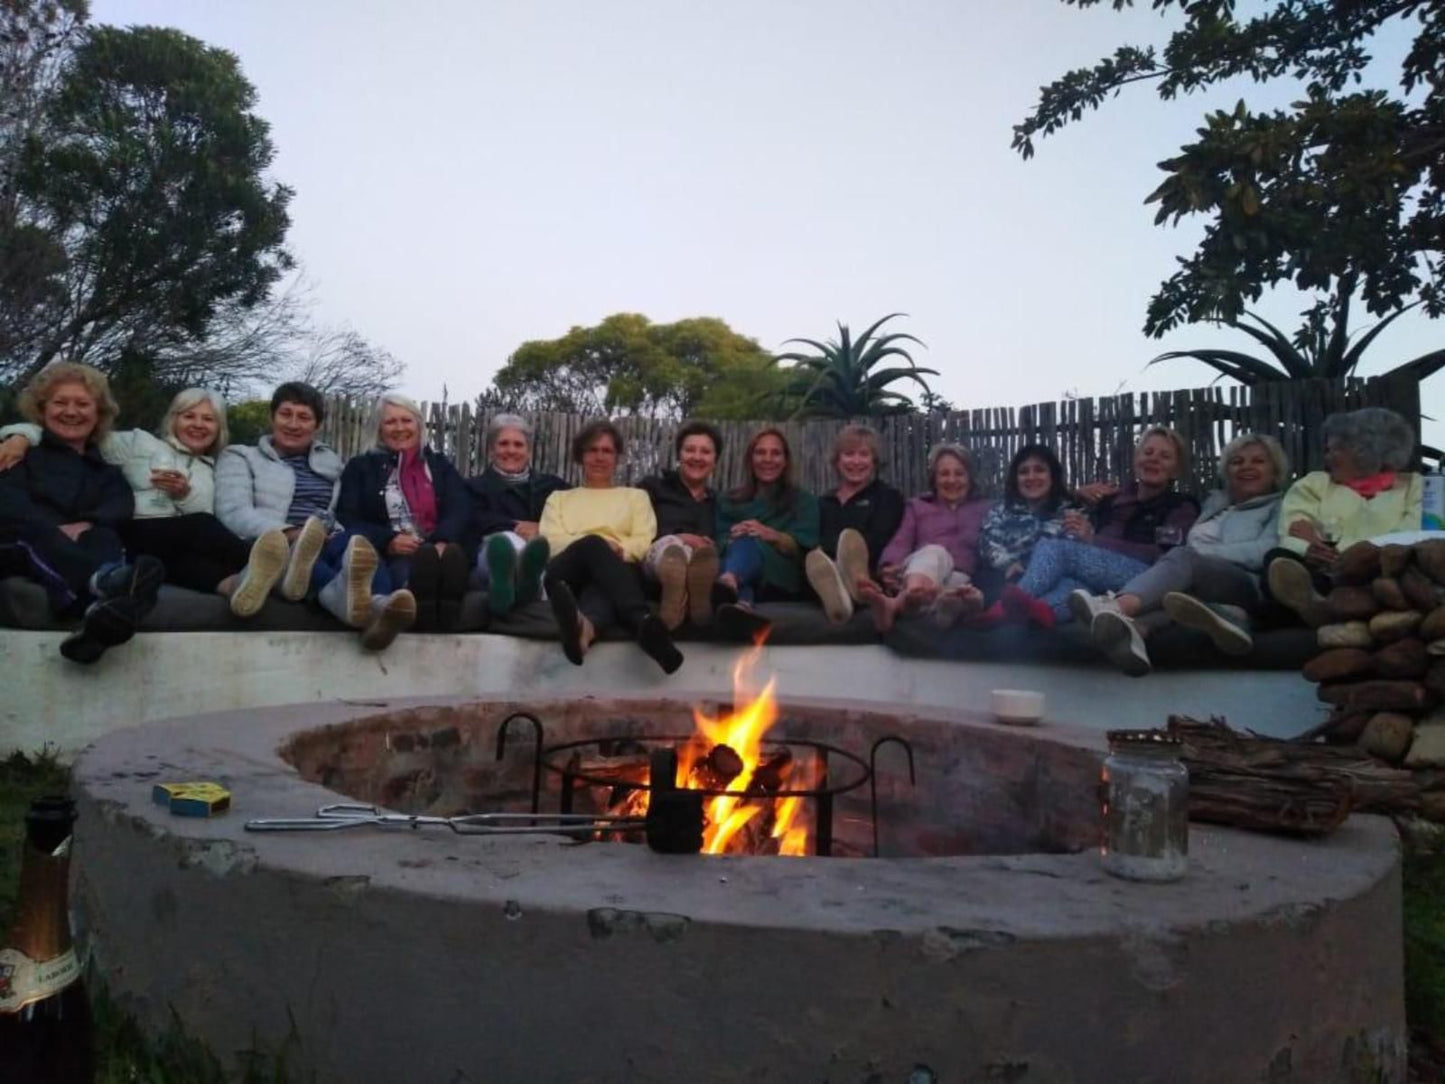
(841, 380)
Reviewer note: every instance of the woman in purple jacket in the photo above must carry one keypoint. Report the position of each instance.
(1129, 529)
(929, 563)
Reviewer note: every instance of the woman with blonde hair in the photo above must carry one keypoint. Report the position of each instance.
(62, 508)
(172, 475)
(414, 508)
(1129, 529)
(1212, 582)
(856, 521)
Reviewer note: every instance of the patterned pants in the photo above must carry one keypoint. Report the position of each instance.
(1060, 565)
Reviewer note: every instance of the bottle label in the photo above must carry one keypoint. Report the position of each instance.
(24, 981)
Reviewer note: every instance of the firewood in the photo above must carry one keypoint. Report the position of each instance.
(1339, 664)
(1424, 594)
(1394, 559)
(1387, 735)
(632, 768)
(1378, 695)
(775, 770)
(1433, 627)
(1358, 564)
(1394, 625)
(1352, 604)
(1430, 558)
(1406, 658)
(1389, 594)
(1344, 634)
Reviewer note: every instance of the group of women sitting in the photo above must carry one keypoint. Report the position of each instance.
(393, 538)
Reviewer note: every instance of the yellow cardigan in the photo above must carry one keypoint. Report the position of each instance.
(622, 514)
(1339, 510)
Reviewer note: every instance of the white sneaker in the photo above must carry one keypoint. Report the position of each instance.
(825, 579)
(269, 556)
(1085, 607)
(304, 550)
(1118, 637)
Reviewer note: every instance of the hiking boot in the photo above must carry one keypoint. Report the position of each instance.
(501, 561)
(1227, 626)
(424, 582)
(305, 549)
(852, 561)
(1291, 584)
(742, 624)
(653, 638)
(139, 581)
(453, 587)
(672, 576)
(701, 575)
(827, 581)
(263, 571)
(107, 622)
(390, 615)
(1085, 607)
(1118, 638)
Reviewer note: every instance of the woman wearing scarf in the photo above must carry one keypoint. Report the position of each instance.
(412, 506)
(1365, 490)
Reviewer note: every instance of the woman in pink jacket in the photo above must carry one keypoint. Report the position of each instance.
(930, 562)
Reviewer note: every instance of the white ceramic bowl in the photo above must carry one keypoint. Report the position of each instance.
(1018, 707)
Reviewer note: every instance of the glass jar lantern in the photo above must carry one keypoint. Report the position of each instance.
(1144, 792)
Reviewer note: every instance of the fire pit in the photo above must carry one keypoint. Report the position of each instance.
(983, 943)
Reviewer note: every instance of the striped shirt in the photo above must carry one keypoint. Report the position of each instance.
(312, 496)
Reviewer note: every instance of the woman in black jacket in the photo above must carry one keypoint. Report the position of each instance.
(507, 508)
(62, 506)
(414, 508)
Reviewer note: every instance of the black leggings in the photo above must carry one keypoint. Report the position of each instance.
(67, 565)
(1323, 583)
(197, 550)
(606, 586)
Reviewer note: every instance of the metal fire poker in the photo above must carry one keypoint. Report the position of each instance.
(673, 824)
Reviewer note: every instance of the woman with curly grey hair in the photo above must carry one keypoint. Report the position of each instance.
(1366, 489)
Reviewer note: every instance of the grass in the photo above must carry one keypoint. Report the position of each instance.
(124, 1054)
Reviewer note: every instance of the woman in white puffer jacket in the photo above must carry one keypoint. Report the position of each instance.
(172, 475)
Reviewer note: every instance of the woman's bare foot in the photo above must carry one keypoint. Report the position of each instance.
(227, 587)
(884, 609)
(586, 633)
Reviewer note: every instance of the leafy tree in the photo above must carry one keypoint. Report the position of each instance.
(249, 421)
(841, 380)
(139, 205)
(1344, 191)
(629, 365)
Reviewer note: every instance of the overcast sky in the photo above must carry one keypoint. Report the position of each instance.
(471, 174)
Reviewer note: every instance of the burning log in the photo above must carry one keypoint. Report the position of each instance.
(773, 772)
(625, 769)
(718, 769)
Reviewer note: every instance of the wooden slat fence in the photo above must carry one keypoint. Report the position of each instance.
(1093, 437)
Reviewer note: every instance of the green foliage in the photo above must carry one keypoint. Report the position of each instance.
(1343, 191)
(629, 365)
(139, 206)
(249, 421)
(842, 380)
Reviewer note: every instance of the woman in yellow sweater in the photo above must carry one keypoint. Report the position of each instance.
(598, 533)
(1365, 490)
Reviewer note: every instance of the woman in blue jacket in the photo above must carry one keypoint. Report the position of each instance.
(414, 508)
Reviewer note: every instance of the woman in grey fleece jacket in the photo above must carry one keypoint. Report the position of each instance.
(1211, 583)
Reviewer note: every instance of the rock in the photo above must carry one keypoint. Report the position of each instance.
(1346, 726)
(1422, 592)
(1394, 625)
(1436, 647)
(1389, 594)
(1378, 695)
(1352, 603)
(1387, 735)
(1341, 663)
(1393, 559)
(1428, 748)
(1435, 677)
(1432, 805)
(1406, 658)
(1433, 627)
(1358, 564)
(1430, 557)
(1345, 634)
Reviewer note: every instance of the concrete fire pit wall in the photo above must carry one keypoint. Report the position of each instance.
(429, 957)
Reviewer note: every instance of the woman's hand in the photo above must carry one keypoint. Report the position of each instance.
(526, 529)
(172, 483)
(1077, 525)
(617, 548)
(1305, 530)
(696, 541)
(12, 451)
(890, 577)
(403, 545)
(1014, 571)
(1321, 555)
(1095, 492)
(751, 528)
(73, 531)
